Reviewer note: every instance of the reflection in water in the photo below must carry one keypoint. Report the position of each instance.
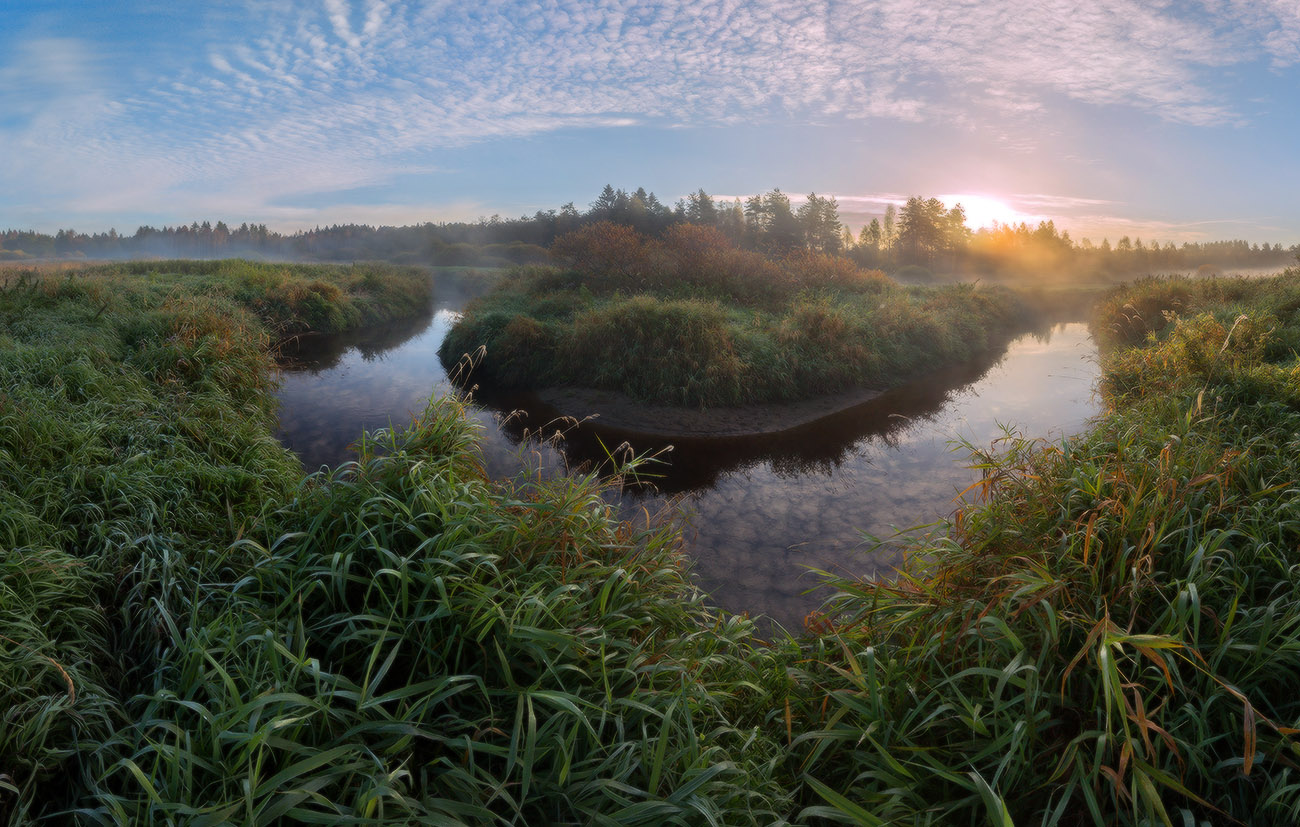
(315, 354)
(819, 448)
(335, 386)
(764, 511)
(761, 511)
(758, 530)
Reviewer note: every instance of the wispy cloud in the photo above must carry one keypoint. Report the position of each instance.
(1276, 22)
(1054, 203)
(321, 97)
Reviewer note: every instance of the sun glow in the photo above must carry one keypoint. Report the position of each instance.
(983, 210)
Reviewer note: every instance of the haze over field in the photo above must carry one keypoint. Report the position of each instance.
(1164, 120)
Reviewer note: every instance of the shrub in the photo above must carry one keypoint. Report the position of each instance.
(675, 352)
(605, 250)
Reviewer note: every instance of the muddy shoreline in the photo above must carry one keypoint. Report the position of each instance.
(616, 410)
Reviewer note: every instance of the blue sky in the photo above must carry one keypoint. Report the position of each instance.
(1175, 120)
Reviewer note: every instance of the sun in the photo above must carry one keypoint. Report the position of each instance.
(983, 210)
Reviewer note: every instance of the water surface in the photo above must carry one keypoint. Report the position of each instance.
(761, 511)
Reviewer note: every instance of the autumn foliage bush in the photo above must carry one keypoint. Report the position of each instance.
(672, 351)
(613, 251)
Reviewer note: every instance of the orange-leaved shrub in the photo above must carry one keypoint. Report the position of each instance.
(692, 256)
(605, 249)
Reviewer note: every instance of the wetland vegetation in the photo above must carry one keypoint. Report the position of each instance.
(197, 633)
(690, 320)
(135, 434)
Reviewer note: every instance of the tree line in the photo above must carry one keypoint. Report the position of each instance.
(921, 233)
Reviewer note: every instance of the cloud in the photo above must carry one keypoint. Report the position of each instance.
(1276, 22)
(51, 80)
(339, 14)
(300, 96)
(1054, 203)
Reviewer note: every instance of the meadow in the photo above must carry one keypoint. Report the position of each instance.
(195, 632)
(690, 320)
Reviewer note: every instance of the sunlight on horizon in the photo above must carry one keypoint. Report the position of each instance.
(983, 210)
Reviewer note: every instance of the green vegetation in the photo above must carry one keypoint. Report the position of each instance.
(196, 634)
(422, 645)
(135, 431)
(690, 320)
(1111, 637)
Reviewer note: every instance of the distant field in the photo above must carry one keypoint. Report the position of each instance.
(47, 266)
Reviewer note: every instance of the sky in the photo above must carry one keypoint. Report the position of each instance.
(1168, 120)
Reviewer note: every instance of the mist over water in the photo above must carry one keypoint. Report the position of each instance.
(759, 512)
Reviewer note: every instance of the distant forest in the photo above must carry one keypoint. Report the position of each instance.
(923, 235)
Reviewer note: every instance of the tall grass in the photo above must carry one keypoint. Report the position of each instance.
(286, 298)
(688, 320)
(135, 430)
(1111, 635)
(425, 645)
(193, 633)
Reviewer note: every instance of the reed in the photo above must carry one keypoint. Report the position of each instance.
(1109, 635)
(424, 645)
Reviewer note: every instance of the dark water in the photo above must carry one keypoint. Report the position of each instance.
(761, 512)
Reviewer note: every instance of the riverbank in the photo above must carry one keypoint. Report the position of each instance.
(616, 410)
(136, 413)
(613, 409)
(688, 321)
(1110, 636)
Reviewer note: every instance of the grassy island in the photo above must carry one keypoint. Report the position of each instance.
(196, 633)
(690, 320)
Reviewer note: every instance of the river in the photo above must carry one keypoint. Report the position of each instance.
(761, 513)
